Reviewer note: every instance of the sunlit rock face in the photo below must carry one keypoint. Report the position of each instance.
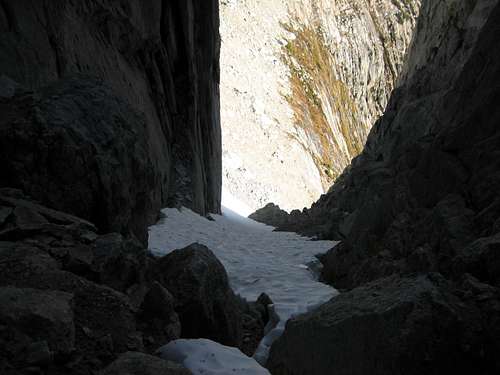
(302, 82)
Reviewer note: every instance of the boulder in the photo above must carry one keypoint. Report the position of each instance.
(134, 363)
(413, 325)
(52, 251)
(71, 244)
(104, 319)
(37, 316)
(206, 305)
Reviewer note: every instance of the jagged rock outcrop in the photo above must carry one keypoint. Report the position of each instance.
(411, 325)
(272, 215)
(301, 95)
(422, 197)
(73, 300)
(158, 57)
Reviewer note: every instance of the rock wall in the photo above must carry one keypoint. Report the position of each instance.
(418, 215)
(344, 59)
(302, 83)
(161, 59)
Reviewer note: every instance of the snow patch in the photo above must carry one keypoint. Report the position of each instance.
(206, 357)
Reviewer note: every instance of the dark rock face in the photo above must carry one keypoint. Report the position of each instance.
(422, 198)
(43, 316)
(81, 149)
(112, 156)
(388, 326)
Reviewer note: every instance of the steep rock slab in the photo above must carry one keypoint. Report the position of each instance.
(413, 325)
(161, 57)
(344, 59)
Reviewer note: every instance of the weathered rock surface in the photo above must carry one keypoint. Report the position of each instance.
(422, 197)
(81, 149)
(411, 325)
(73, 300)
(42, 316)
(114, 159)
(133, 363)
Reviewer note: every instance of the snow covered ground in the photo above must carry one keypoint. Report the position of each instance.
(257, 260)
(207, 357)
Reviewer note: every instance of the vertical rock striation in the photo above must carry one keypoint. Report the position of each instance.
(159, 59)
(344, 59)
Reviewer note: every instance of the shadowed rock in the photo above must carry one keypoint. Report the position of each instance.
(206, 305)
(411, 325)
